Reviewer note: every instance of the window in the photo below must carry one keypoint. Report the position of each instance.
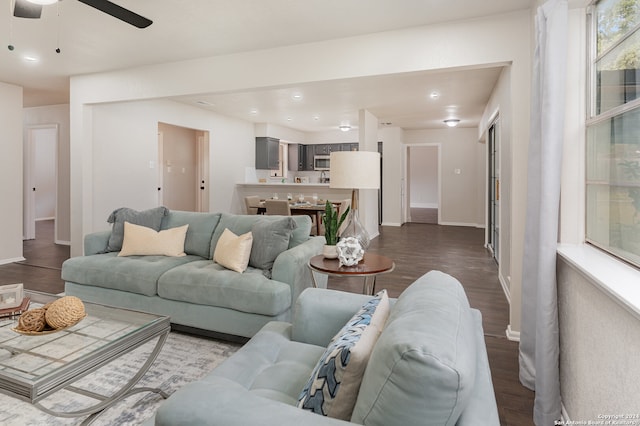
(613, 129)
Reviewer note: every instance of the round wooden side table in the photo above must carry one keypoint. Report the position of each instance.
(369, 267)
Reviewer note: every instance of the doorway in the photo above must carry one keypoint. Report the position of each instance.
(493, 185)
(41, 187)
(423, 183)
(183, 172)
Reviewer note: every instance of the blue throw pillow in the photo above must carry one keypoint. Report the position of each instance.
(334, 384)
(151, 218)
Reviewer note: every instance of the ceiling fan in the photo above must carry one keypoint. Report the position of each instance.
(33, 8)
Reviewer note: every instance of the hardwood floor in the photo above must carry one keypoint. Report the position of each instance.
(415, 248)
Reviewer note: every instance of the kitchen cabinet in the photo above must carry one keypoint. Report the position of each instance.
(309, 154)
(350, 146)
(267, 153)
(297, 157)
(322, 149)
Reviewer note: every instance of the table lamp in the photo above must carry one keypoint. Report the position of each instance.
(355, 170)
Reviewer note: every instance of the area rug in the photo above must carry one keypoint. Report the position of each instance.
(183, 359)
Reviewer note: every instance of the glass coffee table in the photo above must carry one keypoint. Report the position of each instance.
(33, 367)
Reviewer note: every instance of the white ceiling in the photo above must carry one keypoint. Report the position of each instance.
(91, 41)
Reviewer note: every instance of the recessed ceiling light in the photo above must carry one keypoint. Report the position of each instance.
(297, 96)
(289, 119)
(344, 127)
(316, 118)
(29, 58)
(451, 122)
(205, 103)
(253, 112)
(434, 95)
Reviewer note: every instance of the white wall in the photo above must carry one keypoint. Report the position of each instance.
(423, 176)
(57, 114)
(393, 175)
(125, 141)
(11, 173)
(458, 195)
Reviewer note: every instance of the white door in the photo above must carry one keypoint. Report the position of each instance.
(41, 176)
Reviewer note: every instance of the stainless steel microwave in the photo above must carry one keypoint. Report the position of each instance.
(321, 162)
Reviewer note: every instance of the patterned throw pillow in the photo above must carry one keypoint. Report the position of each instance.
(334, 384)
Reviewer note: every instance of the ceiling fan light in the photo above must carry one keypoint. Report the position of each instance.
(451, 122)
(43, 2)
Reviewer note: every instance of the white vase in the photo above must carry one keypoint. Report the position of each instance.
(329, 252)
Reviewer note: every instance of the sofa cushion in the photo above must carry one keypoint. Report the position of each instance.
(143, 241)
(151, 218)
(201, 226)
(135, 274)
(270, 238)
(424, 363)
(271, 364)
(208, 283)
(241, 224)
(334, 384)
(233, 251)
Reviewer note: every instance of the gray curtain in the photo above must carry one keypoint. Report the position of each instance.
(539, 340)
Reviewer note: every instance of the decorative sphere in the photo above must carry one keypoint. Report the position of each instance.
(350, 252)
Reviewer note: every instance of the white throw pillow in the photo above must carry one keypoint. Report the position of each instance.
(233, 251)
(140, 240)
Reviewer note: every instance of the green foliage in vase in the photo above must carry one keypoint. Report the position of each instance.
(332, 223)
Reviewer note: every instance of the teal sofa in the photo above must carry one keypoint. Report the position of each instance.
(194, 290)
(428, 367)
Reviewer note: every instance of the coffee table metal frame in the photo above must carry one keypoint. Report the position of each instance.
(138, 328)
(369, 267)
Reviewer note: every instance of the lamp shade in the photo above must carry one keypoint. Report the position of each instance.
(355, 170)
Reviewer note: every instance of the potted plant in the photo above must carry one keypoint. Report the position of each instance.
(332, 223)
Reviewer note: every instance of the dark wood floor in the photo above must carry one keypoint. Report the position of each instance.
(415, 248)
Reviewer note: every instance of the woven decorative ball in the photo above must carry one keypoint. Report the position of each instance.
(64, 312)
(32, 320)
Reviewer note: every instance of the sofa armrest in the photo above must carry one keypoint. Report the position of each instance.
(96, 242)
(226, 403)
(319, 314)
(291, 266)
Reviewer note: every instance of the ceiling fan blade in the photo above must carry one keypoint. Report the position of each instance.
(25, 9)
(119, 12)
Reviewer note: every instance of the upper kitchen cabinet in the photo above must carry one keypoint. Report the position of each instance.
(267, 153)
(350, 146)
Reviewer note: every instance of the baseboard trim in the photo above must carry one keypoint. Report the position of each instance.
(505, 288)
(63, 243)
(424, 205)
(14, 260)
(45, 218)
(514, 336)
(470, 225)
(391, 224)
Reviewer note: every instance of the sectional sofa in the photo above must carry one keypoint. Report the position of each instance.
(428, 366)
(192, 289)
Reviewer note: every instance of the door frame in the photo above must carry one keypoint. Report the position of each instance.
(406, 185)
(29, 190)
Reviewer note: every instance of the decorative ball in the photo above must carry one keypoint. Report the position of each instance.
(32, 320)
(64, 312)
(350, 252)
